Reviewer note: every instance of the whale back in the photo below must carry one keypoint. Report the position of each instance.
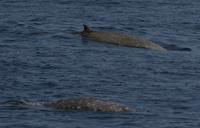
(88, 104)
(124, 40)
(120, 39)
(79, 103)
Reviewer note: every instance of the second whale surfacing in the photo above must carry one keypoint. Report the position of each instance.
(119, 39)
(88, 104)
(79, 103)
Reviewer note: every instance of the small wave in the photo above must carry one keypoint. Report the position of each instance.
(4, 28)
(33, 104)
(37, 19)
(173, 47)
(21, 103)
(38, 33)
(60, 37)
(13, 103)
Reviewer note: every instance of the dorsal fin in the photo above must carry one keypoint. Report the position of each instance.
(87, 29)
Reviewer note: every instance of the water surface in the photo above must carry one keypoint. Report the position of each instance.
(41, 61)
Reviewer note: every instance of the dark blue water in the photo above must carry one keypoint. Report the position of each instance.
(41, 61)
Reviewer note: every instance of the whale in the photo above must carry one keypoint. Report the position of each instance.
(77, 103)
(118, 39)
(88, 104)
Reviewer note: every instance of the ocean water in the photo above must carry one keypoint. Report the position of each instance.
(40, 60)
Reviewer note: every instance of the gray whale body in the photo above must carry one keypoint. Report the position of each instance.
(119, 39)
(80, 103)
(88, 104)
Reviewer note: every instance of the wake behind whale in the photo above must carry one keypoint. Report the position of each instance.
(81, 103)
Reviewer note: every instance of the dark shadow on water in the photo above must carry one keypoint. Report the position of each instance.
(172, 47)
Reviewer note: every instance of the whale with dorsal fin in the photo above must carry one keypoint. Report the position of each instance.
(119, 39)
